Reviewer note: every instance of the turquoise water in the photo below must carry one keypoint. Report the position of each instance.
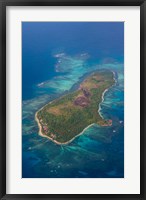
(99, 152)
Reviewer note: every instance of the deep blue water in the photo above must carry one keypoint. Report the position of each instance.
(55, 57)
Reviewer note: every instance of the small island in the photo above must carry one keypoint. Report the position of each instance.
(65, 118)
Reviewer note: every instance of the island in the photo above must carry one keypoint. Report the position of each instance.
(65, 118)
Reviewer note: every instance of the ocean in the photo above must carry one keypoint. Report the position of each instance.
(56, 56)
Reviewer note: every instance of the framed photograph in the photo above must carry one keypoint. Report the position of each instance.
(72, 99)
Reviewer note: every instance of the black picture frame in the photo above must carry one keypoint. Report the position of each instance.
(3, 125)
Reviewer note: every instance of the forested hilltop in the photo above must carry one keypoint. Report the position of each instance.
(66, 117)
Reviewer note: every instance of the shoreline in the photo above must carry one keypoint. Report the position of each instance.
(103, 94)
(55, 141)
(65, 143)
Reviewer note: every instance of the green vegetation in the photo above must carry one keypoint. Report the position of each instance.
(68, 116)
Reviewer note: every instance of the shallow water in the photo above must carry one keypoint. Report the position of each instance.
(98, 153)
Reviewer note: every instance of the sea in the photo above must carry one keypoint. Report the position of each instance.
(56, 57)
